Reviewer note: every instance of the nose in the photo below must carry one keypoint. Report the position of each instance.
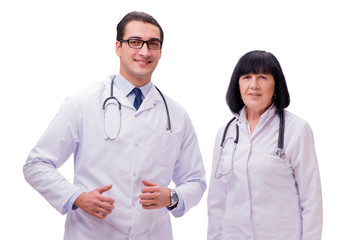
(144, 50)
(254, 84)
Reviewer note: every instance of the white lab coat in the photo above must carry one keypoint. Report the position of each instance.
(145, 151)
(267, 197)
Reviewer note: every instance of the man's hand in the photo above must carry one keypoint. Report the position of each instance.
(95, 204)
(154, 196)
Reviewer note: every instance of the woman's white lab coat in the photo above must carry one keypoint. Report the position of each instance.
(267, 197)
(144, 151)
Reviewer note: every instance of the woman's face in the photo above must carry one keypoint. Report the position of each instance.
(257, 91)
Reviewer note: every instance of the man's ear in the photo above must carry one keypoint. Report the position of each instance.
(118, 48)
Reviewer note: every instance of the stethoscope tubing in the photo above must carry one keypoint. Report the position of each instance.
(280, 145)
(168, 126)
(281, 130)
(225, 131)
(111, 96)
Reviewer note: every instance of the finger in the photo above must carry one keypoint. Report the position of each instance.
(150, 195)
(149, 207)
(101, 190)
(146, 198)
(103, 210)
(99, 215)
(106, 206)
(148, 202)
(107, 199)
(149, 189)
(148, 183)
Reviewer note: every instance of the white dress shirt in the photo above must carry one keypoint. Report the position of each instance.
(266, 197)
(144, 151)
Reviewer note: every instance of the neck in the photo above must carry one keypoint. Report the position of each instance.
(137, 82)
(253, 117)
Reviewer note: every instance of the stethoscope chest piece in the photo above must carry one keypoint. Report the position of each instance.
(280, 153)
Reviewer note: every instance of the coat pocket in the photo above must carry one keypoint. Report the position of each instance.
(279, 166)
(167, 148)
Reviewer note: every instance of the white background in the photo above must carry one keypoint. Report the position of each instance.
(52, 49)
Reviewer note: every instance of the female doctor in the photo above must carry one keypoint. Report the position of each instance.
(265, 182)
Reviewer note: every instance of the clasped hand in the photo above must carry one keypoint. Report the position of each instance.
(153, 196)
(96, 204)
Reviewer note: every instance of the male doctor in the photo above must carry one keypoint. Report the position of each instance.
(125, 159)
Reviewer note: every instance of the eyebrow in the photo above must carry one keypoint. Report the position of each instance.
(136, 37)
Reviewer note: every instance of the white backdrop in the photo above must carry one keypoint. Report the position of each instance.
(52, 49)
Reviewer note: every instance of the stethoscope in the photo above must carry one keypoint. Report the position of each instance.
(115, 101)
(278, 153)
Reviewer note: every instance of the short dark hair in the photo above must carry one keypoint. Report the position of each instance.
(257, 62)
(137, 16)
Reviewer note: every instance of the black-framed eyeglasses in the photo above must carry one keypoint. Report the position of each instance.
(154, 44)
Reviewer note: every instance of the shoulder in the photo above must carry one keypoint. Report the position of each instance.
(179, 119)
(294, 119)
(174, 107)
(84, 100)
(296, 125)
(228, 128)
(87, 95)
(89, 92)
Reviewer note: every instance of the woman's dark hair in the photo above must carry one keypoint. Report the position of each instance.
(137, 16)
(257, 62)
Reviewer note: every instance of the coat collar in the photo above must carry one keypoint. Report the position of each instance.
(126, 87)
(268, 114)
(151, 99)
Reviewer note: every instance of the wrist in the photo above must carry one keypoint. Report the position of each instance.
(73, 202)
(174, 199)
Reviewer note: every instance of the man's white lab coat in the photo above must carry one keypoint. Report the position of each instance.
(144, 151)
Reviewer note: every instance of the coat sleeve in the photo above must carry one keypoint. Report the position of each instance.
(189, 172)
(216, 197)
(307, 176)
(55, 146)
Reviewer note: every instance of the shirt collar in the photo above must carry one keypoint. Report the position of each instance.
(241, 116)
(126, 87)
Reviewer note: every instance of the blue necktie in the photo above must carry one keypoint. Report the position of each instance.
(138, 99)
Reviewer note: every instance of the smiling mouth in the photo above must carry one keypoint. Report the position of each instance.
(142, 61)
(255, 94)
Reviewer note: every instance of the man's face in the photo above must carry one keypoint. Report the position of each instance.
(137, 65)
